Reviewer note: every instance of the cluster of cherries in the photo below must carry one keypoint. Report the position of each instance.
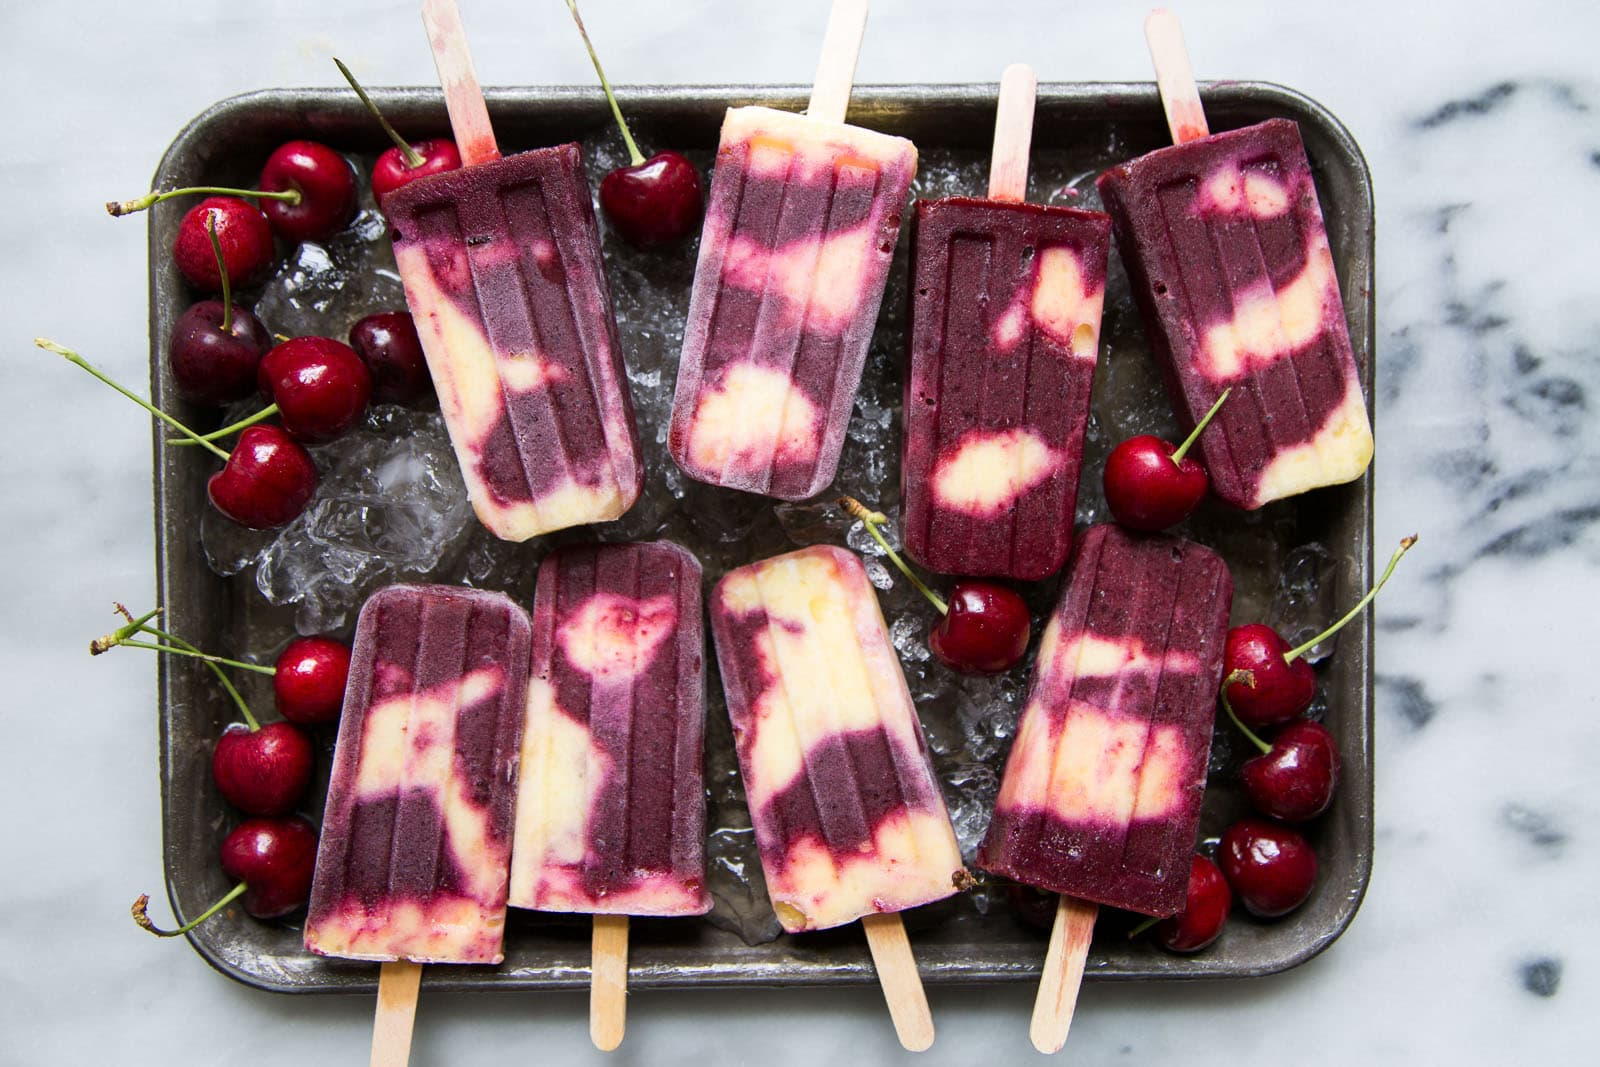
(263, 769)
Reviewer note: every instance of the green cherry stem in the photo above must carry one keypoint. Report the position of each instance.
(413, 157)
(1188, 442)
(140, 912)
(177, 646)
(260, 416)
(222, 269)
(1142, 927)
(635, 156)
(1295, 653)
(72, 357)
(1245, 678)
(118, 208)
(872, 520)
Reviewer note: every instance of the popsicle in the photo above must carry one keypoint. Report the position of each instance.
(1005, 322)
(1228, 255)
(799, 232)
(1100, 799)
(611, 811)
(849, 818)
(502, 271)
(416, 836)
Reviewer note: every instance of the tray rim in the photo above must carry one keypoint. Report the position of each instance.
(1118, 95)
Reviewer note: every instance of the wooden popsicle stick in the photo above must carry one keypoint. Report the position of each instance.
(1174, 77)
(608, 981)
(836, 69)
(1013, 134)
(900, 979)
(463, 97)
(1063, 973)
(398, 984)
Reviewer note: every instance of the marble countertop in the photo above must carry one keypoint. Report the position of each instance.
(1484, 142)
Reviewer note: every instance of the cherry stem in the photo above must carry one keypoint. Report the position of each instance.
(72, 357)
(259, 668)
(635, 156)
(260, 416)
(871, 520)
(222, 269)
(118, 208)
(1188, 442)
(141, 907)
(413, 157)
(1295, 653)
(178, 647)
(1245, 678)
(1142, 927)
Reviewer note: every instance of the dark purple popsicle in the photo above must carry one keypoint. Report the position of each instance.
(1005, 322)
(416, 836)
(1229, 259)
(611, 815)
(1101, 794)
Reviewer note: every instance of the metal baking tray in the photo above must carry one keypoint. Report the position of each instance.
(1080, 128)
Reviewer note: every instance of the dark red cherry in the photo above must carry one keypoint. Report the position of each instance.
(1204, 910)
(276, 857)
(656, 202)
(1270, 866)
(268, 479)
(391, 171)
(1146, 489)
(1276, 689)
(387, 343)
(243, 232)
(985, 630)
(320, 385)
(1296, 779)
(327, 186)
(265, 771)
(211, 365)
(310, 679)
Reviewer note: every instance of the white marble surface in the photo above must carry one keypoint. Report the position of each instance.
(1477, 941)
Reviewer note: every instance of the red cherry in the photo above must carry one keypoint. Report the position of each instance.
(1295, 779)
(268, 479)
(388, 344)
(651, 201)
(1147, 489)
(320, 385)
(264, 771)
(276, 857)
(310, 679)
(1276, 689)
(1204, 911)
(392, 170)
(1150, 484)
(327, 186)
(656, 202)
(243, 232)
(1270, 866)
(211, 365)
(985, 630)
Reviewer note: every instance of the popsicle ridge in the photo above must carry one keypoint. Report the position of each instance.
(1101, 794)
(783, 305)
(848, 815)
(611, 814)
(502, 271)
(417, 833)
(1231, 264)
